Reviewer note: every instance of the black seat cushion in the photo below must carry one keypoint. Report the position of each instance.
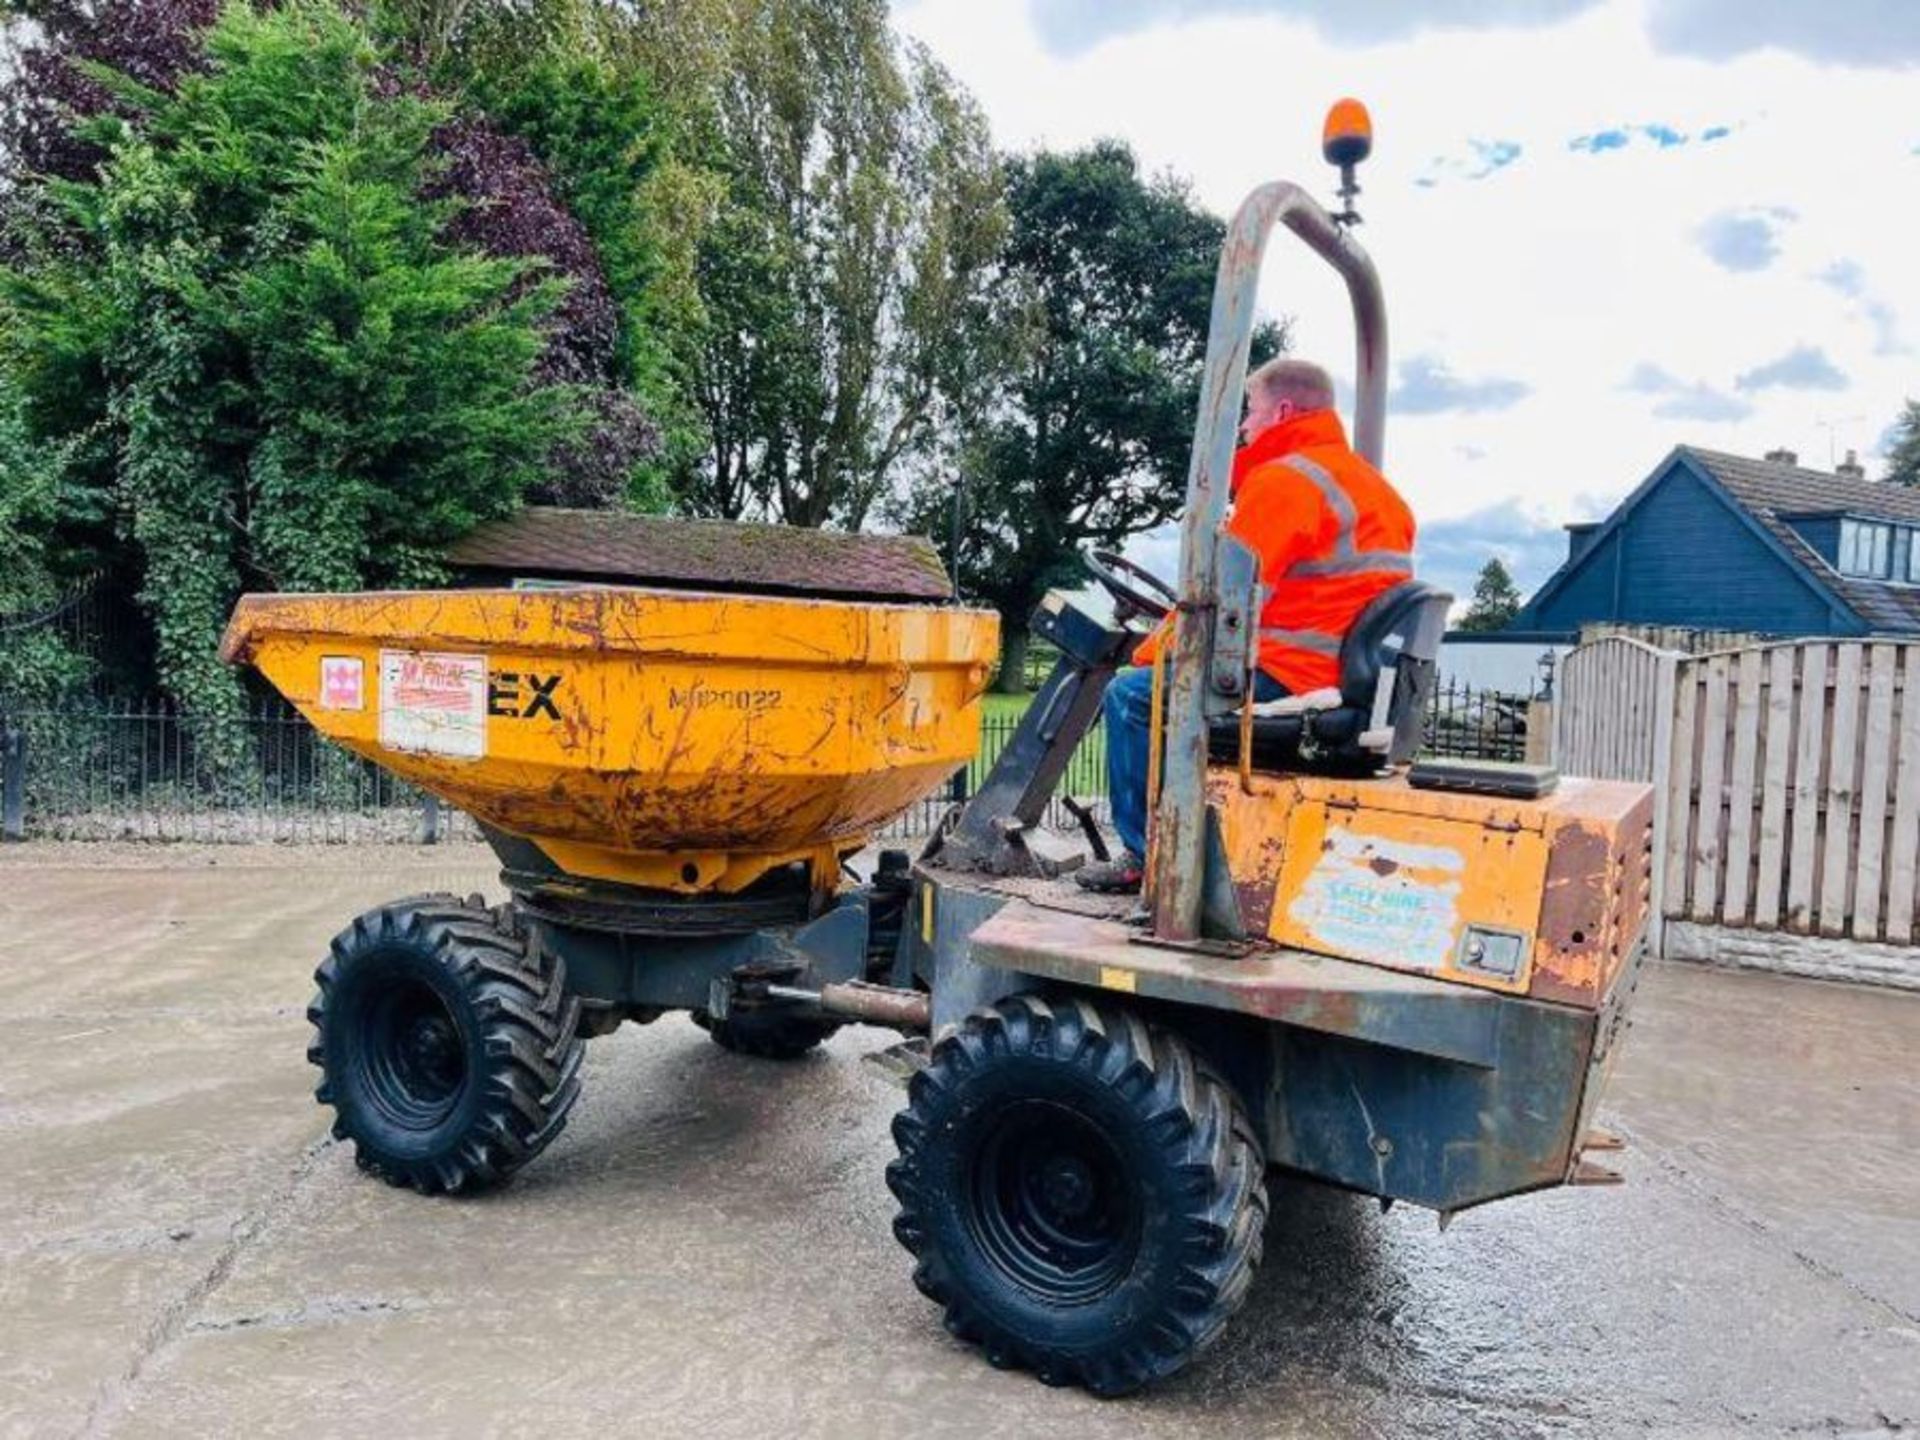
(1328, 742)
(1277, 742)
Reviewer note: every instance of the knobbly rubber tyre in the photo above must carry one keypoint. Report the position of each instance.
(1080, 1193)
(766, 1034)
(448, 1046)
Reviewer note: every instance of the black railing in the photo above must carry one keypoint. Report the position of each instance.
(1470, 724)
(117, 769)
(97, 769)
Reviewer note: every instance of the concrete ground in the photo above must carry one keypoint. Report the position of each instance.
(706, 1249)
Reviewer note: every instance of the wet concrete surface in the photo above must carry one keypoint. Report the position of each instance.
(705, 1251)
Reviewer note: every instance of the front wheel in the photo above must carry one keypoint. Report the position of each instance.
(448, 1046)
(1082, 1195)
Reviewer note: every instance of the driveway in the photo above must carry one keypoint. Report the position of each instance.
(705, 1251)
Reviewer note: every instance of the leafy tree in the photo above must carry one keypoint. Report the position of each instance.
(508, 205)
(34, 664)
(1496, 599)
(843, 273)
(508, 208)
(604, 138)
(272, 365)
(152, 42)
(1903, 453)
(1105, 290)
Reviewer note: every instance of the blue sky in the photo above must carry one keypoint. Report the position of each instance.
(1606, 226)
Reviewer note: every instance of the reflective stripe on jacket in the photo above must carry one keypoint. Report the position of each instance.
(1331, 534)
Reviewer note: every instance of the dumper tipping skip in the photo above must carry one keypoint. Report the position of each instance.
(674, 740)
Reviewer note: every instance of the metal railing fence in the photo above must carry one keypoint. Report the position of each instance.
(139, 769)
(1467, 723)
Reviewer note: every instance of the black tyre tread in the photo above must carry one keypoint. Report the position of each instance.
(1192, 1112)
(766, 1035)
(531, 1033)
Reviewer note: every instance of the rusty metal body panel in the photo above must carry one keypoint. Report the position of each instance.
(1378, 871)
(1398, 1085)
(1293, 987)
(1387, 1055)
(662, 739)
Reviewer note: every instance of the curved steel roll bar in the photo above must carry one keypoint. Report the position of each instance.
(1178, 880)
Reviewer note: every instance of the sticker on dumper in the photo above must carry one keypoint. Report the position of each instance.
(433, 704)
(343, 683)
(1387, 901)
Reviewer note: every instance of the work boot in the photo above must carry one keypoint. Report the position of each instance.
(1121, 876)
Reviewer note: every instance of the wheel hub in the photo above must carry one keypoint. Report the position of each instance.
(1067, 1187)
(433, 1049)
(1051, 1204)
(412, 1058)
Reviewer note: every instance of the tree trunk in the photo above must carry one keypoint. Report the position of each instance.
(1013, 660)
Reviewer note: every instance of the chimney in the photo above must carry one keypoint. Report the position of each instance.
(1579, 536)
(1851, 467)
(1783, 456)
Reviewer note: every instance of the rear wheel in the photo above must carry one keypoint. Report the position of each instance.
(766, 1034)
(1080, 1193)
(448, 1047)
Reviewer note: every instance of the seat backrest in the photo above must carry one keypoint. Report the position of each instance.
(1387, 661)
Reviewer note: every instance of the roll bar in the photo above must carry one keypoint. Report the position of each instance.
(1178, 881)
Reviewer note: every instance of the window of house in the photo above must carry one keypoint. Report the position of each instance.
(1866, 549)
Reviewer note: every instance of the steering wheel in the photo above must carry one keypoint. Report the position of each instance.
(1151, 598)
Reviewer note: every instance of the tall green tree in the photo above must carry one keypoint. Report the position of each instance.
(270, 362)
(1104, 294)
(843, 271)
(1496, 599)
(1903, 454)
(794, 208)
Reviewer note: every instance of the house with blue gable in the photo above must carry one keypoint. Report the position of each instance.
(1711, 541)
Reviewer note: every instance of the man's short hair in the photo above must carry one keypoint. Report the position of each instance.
(1304, 383)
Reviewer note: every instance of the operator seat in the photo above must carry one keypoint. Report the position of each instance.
(1374, 718)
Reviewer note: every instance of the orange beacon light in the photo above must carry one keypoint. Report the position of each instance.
(1346, 139)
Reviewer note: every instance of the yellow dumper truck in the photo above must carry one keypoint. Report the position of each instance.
(1402, 978)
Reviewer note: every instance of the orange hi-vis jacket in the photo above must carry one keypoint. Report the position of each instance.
(1331, 534)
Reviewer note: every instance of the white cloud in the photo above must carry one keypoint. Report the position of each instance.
(1805, 367)
(1681, 400)
(1450, 552)
(1848, 278)
(1481, 159)
(1559, 272)
(1072, 26)
(1856, 32)
(1429, 387)
(1846, 32)
(1743, 240)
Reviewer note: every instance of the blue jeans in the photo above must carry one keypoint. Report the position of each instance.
(1129, 715)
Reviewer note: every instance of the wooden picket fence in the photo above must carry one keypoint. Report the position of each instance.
(1787, 777)
(1613, 695)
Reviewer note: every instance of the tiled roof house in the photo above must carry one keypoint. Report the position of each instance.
(1713, 541)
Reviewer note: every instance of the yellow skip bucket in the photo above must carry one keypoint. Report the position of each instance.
(659, 738)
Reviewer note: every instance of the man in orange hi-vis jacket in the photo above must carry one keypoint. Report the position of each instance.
(1331, 534)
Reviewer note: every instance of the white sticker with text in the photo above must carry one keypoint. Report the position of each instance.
(433, 703)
